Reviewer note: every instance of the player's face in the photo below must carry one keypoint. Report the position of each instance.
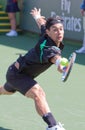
(56, 32)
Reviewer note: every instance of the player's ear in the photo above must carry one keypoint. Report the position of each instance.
(47, 31)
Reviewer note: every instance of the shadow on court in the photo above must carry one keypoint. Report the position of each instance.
(1, 128)
(23, 41)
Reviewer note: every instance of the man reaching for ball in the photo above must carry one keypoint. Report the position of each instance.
(21, 74)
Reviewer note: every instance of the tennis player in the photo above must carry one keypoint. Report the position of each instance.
(21, 74)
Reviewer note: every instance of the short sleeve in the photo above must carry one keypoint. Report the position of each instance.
(50, 52)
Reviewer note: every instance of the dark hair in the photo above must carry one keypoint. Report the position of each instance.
(53, 20)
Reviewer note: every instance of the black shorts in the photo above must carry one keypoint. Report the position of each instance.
(12, 8)
(17, 81)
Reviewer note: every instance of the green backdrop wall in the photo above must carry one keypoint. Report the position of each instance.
(68, 9)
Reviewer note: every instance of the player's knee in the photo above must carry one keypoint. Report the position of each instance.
(36, 93)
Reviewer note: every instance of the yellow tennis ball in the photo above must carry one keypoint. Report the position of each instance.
(64, 62)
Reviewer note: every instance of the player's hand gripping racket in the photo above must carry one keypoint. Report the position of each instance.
(68, 69)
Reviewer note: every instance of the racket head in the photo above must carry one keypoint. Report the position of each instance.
(68, 69)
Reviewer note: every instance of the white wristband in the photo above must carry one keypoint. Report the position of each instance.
(36, 17)
(57, 63)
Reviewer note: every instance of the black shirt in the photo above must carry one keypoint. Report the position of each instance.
(37, 60)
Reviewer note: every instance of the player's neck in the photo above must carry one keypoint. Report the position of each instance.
(57, 44)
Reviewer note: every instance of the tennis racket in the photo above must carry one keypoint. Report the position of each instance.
(68, 69)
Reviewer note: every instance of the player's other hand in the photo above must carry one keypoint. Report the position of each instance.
(36, 13)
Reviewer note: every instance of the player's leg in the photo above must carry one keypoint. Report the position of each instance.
(38, 95)
(3, 91)
(29, 87)
(8, 88)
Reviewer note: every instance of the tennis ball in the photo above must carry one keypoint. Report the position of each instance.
(64, 62)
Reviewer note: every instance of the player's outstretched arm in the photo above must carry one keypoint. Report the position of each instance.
(40, 20)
